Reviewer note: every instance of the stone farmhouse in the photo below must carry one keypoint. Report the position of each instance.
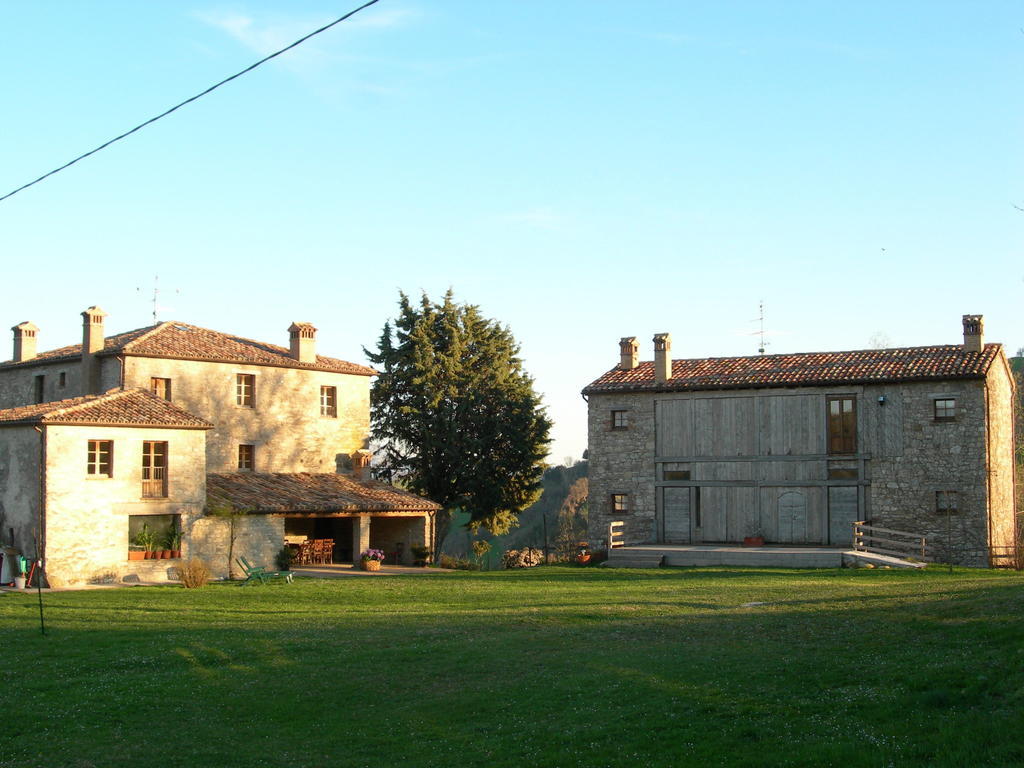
(799, 447)
(156, 426)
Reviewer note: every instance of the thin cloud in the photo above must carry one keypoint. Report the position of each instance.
(538, 218)
(265, 34)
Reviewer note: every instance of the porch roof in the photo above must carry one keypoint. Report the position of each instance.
(305, 492)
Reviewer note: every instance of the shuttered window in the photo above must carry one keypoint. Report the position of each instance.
(842, 425)
(160, 387)
(246, 457)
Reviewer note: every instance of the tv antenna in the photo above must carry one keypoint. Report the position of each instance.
(760, 333)
(156, 296)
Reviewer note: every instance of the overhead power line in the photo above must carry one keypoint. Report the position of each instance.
(226, 80)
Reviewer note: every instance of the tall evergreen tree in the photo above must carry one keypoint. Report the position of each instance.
(455, 414)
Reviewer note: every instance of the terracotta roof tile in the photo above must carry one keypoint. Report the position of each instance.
(864, 366)
(309, 492)
(120, 407)
(190, 342)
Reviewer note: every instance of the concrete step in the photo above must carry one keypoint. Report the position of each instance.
(633, 558)
(853, 558)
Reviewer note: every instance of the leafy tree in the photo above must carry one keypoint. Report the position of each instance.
(572, 518)
(455, 414)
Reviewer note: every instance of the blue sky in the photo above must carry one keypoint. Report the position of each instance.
(581, 170)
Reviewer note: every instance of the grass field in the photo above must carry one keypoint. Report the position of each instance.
(548, 667)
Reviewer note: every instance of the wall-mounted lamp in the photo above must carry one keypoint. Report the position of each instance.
(881, 399)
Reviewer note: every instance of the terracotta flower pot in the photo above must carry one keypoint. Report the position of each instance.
(583, 559)
(150, 555)
(136, 554)
(175, 554)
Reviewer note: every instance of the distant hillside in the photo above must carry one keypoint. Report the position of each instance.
(555, 483)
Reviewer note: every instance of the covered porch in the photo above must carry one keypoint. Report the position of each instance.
(345, 515)
(348, 534)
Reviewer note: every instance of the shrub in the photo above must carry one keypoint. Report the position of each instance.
(458, 563)
(193, 573)
(421, 555)
(522, 558)
(284, 558)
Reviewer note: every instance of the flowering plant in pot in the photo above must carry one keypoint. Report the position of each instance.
(582, 553)
(754, 536)
(371, 559)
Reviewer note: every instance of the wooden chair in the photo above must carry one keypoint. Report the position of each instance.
(327, 551)
(257, 574)
(318, 551)
(305, 556)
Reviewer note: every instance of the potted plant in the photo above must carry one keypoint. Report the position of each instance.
(174, 540)
(420, 556)
(168, 541)
(146, 539)
(754, 536)
(371, 559)
(582, 553)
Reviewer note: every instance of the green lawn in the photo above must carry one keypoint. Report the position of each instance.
(548, 667)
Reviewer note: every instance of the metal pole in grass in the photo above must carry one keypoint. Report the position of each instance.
(37, 569)
(38, 533)
(39, 593)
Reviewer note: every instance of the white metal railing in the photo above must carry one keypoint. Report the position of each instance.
(886, 541)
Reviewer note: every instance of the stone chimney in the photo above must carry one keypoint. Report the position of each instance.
(662, 357)
(361, 465)
(24, 341)
(302, 342)
(628, 353)
(92, 342)
(974, 333)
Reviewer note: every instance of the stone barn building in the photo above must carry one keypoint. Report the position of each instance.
(799, 447)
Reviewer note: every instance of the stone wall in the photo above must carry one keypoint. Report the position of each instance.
(258, 538)
(285, 425)
(937, 456)
(621, 461)
(87, 515)
(19, 487)
(17, 382)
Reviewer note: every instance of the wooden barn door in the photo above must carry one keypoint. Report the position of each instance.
(843, 512)
(675, 515)
(792, 518)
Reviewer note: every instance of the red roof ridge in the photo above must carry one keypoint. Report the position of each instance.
(944, 361)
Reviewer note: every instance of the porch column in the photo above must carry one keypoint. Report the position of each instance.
(360, 536)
